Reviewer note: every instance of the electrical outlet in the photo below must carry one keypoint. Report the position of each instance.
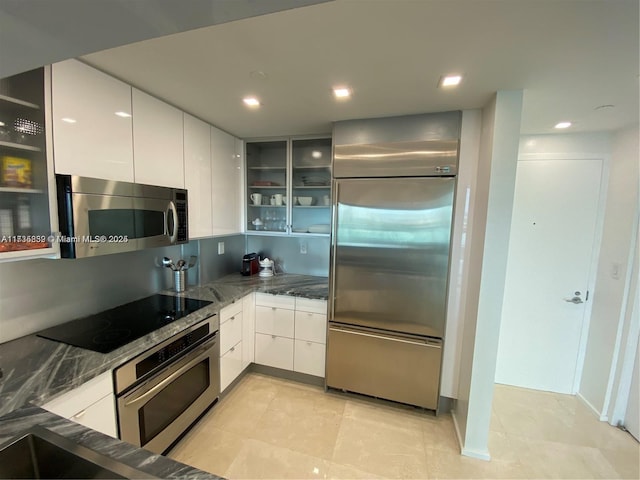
(220, 248)
(303, 248)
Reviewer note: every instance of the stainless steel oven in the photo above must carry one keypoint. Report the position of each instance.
(163, 391)
(99, 217)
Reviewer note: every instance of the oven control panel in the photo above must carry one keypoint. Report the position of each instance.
(164, 354)
(168, 352)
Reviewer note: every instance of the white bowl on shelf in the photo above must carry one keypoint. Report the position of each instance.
(305, 201)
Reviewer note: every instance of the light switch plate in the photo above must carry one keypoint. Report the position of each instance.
(220, 248)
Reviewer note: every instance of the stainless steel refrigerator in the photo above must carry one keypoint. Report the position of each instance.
(390, 269)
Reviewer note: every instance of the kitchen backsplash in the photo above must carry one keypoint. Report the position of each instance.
(214, 266)
(36, 294)
(287, 253)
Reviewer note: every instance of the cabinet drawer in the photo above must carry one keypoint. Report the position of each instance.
(229, 311)
(78, 399)
(275, 321)
(230, 365)
(311, 327)
(230, 332)
(279, 301)
(311, 305)
(274, 351)
(309, 358)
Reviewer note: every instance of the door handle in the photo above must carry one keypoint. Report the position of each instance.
(574, 300)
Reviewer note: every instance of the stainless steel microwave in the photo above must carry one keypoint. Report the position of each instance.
(99, 217)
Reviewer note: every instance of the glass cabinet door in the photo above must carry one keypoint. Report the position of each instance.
(25, 220)
(267, 186)
(311, 191)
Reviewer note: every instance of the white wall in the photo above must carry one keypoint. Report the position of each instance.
(607, 313)
(487, 267)
(460, 250)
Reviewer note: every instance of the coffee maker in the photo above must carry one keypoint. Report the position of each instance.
(250, 264)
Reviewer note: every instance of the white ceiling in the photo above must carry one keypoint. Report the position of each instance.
(569, 57)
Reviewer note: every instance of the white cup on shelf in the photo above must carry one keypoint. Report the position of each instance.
(256, 198)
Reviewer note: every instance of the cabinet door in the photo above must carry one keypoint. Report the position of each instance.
(91, 404)
(311, 327)
(197, 176)
(27, 186)
(311, 191)
(158, 147)
(274, 351)
(266, 186)
(231, 332)
(226, 183)
(230, 365)
(100, 416)
(275, 321)
(92, 134)
(248, 329)
(309, 358)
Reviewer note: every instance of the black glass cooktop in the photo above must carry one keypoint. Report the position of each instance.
(111, 329)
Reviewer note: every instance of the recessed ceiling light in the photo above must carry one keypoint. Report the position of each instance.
(123, 114)
(342, 92)
(450, 80)
(563, 125)
(251, 101)
(69, 120)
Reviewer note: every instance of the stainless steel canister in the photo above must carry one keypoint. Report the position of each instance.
(179, 280)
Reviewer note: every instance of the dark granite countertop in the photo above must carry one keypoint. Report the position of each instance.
(15, 424)
(35, 370)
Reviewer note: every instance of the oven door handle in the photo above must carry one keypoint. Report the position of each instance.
(173, 376)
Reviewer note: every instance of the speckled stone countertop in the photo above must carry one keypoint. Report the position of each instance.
(36, 370)
(17, 423)
(234, 286)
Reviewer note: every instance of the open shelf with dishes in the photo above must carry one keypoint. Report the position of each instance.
(25, 168)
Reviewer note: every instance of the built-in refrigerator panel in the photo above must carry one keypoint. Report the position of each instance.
(390, 253)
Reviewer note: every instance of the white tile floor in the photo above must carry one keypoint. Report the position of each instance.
(273, 428)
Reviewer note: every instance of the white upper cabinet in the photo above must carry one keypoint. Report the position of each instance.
(197, 176)
(92, 134)
(226, 184)
(158, 147)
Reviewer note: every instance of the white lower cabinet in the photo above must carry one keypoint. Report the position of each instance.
(91, 404)
(248, 329)
(230, 344)
(291, 333)
(308, 358)
(230, 365)
(274, 351)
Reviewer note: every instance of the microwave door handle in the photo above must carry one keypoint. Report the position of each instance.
(173, 236)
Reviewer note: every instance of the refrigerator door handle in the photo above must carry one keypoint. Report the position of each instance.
(425, 343)
(334, 240)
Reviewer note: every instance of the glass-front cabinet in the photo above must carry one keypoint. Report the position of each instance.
(311, 192)
(289, 186)
(26, 177)
(267, 186)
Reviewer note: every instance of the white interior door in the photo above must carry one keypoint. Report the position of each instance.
(632, 416)
(550, 257)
